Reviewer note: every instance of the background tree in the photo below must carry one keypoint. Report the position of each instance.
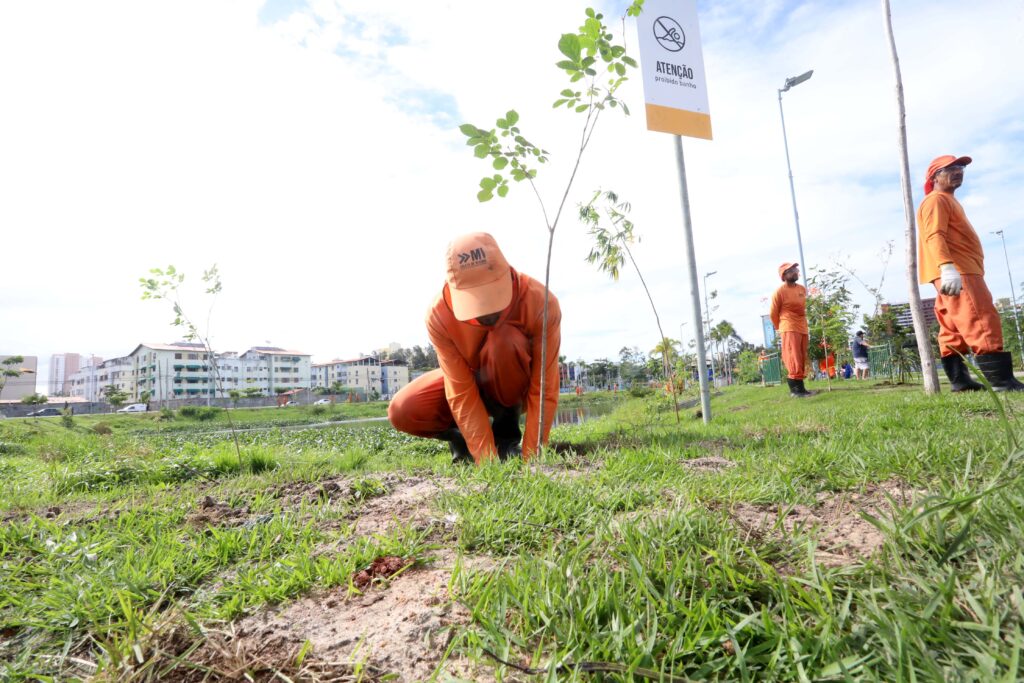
(590, 47)
(610, 250)
(115, 397)
(632, 365)
(252, 392)
(34, 399)
(830, 314)
(10, 369)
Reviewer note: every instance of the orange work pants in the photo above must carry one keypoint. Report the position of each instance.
(794, 353)
(969, 322)
(421, 408)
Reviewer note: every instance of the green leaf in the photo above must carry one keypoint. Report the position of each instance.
(592, 27)
(502, 123)
(500, 163)
(484, 196)
(590, 11)
(620, 69)
(503, 190)
(567, 65)
(569, 45)
(469, 130)
(590, 72)
(630, 61)
(512, 117)
(582, 107)
(488, 183)
(481, 151)
(558, 103)
(567, 93)
(625, 109)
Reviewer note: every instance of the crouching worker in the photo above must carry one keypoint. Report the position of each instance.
(486, 327)
(951, 258)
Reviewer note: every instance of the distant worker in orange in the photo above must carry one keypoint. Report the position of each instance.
(951, 258)
(486, 326)
(789, 317)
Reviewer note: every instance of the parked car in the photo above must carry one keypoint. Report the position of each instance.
(45, 412)
(133, 408)
(322, 402)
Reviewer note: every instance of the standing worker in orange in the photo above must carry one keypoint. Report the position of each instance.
(789, 317)
(951, 258)
(486, 326)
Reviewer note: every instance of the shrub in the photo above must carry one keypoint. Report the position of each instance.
(201, 413)
(640, 391)
(66, 419)
(102, 428)
(166, 415)
(8, 448)
(318, 410)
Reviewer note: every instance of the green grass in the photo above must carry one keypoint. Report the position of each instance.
(611, 552)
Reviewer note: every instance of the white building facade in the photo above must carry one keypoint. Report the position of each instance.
(367, 374)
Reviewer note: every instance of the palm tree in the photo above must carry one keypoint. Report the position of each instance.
(610, 250)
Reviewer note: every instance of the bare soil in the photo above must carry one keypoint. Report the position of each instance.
(401, 626)
(712, 463)
(835, 521)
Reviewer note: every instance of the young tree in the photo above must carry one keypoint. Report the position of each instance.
(166, 285)
(115, 397)
(10, 369)
(610, 250)
(928, 370)
(830, 314)
(510, 149)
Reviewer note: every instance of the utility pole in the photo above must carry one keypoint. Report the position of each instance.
(1013, 295)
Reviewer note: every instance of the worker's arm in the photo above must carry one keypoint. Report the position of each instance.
(551, 379)
(776, 310)
(934, 229)
(463, 395)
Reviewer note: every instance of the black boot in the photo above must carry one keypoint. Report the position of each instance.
(998, 370)
(457, 444)
(507, 434)
(797, 388)
(958, 374)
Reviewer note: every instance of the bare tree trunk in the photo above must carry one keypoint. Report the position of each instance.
(924, 348)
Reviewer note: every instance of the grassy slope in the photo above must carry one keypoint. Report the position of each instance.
(632, 560)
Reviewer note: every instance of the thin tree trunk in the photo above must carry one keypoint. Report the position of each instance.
(924, 348)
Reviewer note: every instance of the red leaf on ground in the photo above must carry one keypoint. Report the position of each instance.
(382, 567)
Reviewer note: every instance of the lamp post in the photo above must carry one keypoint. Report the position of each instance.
(790, 82)
(707, 310)
(1013, 295)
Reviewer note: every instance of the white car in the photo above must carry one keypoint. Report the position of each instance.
(133, 408)
(322, 402)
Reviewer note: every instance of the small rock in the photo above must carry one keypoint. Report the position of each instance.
(208, 502)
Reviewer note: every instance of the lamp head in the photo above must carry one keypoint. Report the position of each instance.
(797, 80)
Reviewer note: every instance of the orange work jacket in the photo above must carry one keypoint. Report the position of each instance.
(946, 236)
(789, 308)
(458, 347)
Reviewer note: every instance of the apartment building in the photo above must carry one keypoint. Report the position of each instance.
(62, 367)
(368, 374)
(186, 370)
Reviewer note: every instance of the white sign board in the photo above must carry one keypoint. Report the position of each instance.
(675, 89)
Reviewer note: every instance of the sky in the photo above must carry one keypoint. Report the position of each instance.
(310, 149)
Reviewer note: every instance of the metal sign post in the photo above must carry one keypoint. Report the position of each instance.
(676, 99)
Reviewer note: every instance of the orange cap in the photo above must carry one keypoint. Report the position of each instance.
(784, 267)
(940, 163)
(479, 279)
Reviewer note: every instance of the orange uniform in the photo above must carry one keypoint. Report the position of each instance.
(946, 236)
(968, 322)
(789, 316)
(485, 364)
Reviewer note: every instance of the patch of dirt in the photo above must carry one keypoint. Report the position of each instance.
(711, 463)
(381, 568)
(401, 627)
(408, 502)
(210, 512)
(843, 536)
(736, 409)
(330, 490)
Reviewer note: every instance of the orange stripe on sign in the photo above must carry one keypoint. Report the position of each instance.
(678, 122)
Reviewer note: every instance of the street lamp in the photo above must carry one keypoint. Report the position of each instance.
(790, 82)
(1013, 295)
(707, 310)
